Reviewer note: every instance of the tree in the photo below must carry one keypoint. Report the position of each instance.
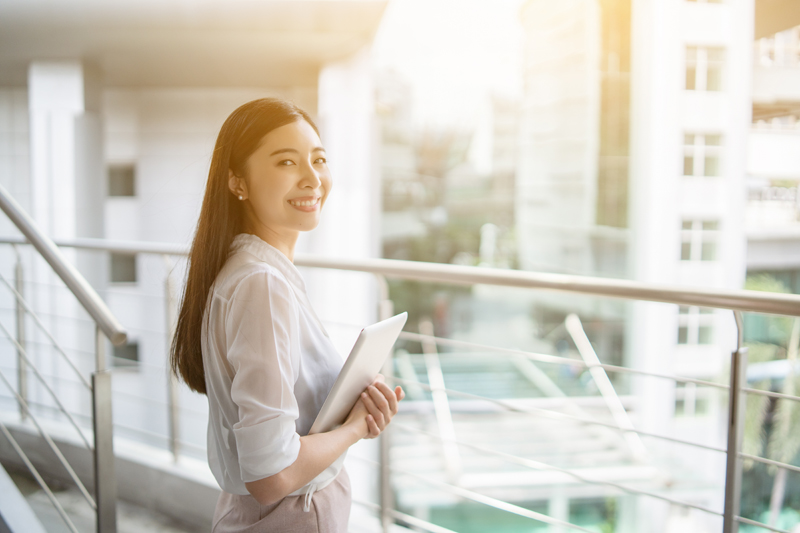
(782, 336)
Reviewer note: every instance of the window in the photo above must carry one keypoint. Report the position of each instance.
(690, 400)
(121, 180)
(704, 68)
(695, 325)
(701, 154)
(699, 240)
(123, 268)
(127, 355)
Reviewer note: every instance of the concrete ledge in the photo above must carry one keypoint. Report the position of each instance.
(146, 476)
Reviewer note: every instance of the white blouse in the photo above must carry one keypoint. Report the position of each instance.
(269, 365)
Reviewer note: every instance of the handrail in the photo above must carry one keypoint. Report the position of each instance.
(737, 300)
(741, 300)
(84, 292)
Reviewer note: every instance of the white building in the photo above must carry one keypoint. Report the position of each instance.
(688, 121)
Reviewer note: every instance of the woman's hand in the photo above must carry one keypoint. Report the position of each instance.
(382, 404)
(376, 407)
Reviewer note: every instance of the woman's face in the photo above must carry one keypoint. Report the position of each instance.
(286, 184)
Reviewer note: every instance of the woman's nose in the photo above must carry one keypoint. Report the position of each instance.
(311, 178)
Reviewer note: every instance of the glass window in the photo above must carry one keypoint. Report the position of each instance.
(715, 57)
(695, 325)
(704, 68)
(123, 268)
(691, 400)
(701, 155)
(121, 180)
(127, 355)
(699, 240)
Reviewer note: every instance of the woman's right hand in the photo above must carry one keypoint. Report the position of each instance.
(375, 408)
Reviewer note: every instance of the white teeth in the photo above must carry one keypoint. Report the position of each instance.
(304, 203)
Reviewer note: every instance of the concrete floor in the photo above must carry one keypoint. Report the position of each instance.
(130, 518)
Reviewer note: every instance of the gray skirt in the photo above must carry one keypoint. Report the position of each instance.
(329, 512)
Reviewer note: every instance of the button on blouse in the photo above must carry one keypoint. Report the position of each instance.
(269, 365)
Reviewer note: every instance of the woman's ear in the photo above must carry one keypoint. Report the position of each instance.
(237, 185)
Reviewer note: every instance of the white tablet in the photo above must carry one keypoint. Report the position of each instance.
(361, 368)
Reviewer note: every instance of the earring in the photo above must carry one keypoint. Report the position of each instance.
(240, 197)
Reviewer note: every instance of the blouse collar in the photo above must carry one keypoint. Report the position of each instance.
(247, 242)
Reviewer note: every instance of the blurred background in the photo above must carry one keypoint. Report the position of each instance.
(647, 140)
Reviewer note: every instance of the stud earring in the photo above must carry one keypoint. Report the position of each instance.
(240, 197)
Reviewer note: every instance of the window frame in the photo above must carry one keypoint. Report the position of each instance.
(698, 239)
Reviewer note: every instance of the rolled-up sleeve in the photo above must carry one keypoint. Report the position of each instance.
(261, 329)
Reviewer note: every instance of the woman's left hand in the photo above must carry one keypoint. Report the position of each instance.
(381, 403)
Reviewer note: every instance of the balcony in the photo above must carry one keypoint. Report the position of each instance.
(549, 426)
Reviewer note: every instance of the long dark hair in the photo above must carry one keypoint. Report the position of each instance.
(221, 219)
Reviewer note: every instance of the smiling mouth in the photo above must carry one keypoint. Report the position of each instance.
(304, 203)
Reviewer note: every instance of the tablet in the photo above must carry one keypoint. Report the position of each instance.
(359, 371)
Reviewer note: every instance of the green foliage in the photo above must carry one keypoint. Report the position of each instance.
(766, 328)
(785, 440)
(755, 435)
(770, 338)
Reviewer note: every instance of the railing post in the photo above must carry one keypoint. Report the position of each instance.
(105, 482)
(22, 366)
(172, 382)
(385, 310)
(736, 412)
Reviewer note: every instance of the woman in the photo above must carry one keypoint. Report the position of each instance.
(248, 338)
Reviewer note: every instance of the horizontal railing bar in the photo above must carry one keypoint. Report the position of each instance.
(38, 478)
(183, 443)
(90, 322)
(766, 461)
(771, 394)
(127, 395)
(412, 520)
(553, 414)
(749, 522)
(554, 359)
(55, 343)
(130, 395)
(110, 245)
(739, 300)
(160, 403)
(21, 351)
(135, 288)
(84, 292)
(80, 352)
(51, 444)
(480, 498)
(537, 465)
(539, 357)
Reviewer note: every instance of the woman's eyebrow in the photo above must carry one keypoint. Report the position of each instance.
(284, 150)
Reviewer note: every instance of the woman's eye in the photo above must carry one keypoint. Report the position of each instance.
(320, 160)
(286, 162)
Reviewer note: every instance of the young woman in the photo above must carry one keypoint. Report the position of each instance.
(248, 338)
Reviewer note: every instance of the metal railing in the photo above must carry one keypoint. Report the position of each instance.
(443, 408)
(106, 326)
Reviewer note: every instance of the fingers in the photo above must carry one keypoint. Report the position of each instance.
(381, 404)
(384, 398)
(372, 427)
(374, 409)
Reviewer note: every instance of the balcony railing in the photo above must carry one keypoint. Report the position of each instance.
(454, 441)
(105, 326)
